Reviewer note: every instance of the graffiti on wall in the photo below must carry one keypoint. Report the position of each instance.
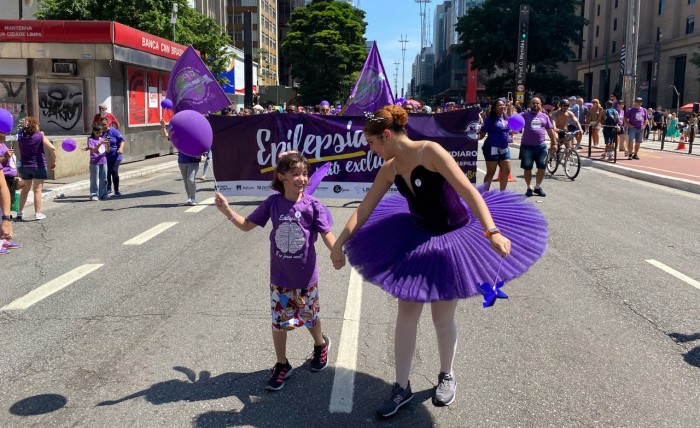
(61, 107)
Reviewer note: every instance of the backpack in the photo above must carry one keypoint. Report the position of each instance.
(611, 117)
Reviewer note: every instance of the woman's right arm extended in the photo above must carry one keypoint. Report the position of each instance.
(376, 192)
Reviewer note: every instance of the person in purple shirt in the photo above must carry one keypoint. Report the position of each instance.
(297, 220)
(98, 147)
(636, 119)
(114, 155)
(9, 168)
(495, 148)
(32, 167)
(533, 146)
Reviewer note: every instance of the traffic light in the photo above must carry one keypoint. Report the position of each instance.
(523, 30)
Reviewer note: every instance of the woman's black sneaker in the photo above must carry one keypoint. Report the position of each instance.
(399, 397)
(279, 373)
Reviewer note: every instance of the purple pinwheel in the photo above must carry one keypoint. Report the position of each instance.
(491, 293)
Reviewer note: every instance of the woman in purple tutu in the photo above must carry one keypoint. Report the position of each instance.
(436, 243)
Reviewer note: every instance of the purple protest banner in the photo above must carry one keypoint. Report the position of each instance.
(193, 87)
(245, 148)
(372, 90)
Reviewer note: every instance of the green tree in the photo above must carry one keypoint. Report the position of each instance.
(326, 47)
(489, 34)
(695, 60)
(151, 16)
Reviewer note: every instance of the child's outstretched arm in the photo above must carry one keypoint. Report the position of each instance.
(328, 239)
(238, 220)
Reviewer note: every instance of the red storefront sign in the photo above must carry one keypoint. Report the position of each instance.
(132, 38)
(28, 31)
(12, 30)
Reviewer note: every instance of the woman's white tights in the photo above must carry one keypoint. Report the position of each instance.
(443, 313)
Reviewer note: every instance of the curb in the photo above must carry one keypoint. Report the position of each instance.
(60, 191)
(663, 180)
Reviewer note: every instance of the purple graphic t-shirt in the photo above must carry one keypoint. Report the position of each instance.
(536, 126)
(498, 132)
(99, 158)
(295, 228)
(636, 117)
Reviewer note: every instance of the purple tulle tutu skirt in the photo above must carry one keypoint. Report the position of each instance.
(392, 251)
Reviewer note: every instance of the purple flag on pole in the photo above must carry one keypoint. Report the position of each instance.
(193, 87)
(372, 90)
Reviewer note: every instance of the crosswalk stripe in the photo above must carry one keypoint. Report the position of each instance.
(150, 233)
(51, 287)
(200, 206)
(682, 277)
(344, 380)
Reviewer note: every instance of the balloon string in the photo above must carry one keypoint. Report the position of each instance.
(495, 279)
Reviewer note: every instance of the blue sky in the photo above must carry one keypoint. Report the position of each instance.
(387, 21)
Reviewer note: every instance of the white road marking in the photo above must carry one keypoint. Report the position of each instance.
(682, 277)
(200, 206)
(51, 287)
(344, 380)
(481, 171)
(150, 233)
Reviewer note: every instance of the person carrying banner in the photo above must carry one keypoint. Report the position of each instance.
(427, 245)
(297, 220)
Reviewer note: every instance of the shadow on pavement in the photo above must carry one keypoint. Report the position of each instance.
(691, 357)
(304, 400)
(38, 405)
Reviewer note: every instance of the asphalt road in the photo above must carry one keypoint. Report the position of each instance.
(174, 332)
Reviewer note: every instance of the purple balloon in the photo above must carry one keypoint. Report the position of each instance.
(6, 121)
(191, 133)
(516, 123)
(69, 144)
(166, 104)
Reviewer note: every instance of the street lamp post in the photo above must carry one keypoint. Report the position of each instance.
(403, 42)
(678, 100)
(173, 19)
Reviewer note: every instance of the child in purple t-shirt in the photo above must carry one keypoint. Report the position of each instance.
(98, 147)
(297, 220)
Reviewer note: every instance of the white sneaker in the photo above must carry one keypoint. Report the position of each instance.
(94, 198)
(39, 216)
(191, 202)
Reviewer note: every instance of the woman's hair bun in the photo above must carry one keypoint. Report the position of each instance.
(398, 114)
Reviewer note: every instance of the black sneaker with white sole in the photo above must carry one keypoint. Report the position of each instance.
(279, 373)
(399, 397)
(319, 360)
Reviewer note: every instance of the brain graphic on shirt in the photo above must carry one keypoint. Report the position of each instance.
(289, 238)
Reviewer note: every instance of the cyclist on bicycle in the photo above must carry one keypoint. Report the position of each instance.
(564, 119)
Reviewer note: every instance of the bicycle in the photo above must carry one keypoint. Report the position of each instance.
(565, 155)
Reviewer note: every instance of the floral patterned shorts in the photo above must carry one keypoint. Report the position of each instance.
(293, 307)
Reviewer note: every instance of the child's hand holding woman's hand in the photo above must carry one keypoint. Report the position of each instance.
(338, 256)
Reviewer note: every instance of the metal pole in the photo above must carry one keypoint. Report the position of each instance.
(629, 82)
(396, 78)
(173, 19)
(403, 42)
(678, 100)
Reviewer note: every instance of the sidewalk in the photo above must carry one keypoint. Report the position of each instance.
(54, 189)
(667, 168)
